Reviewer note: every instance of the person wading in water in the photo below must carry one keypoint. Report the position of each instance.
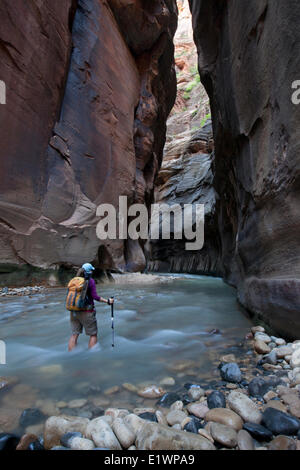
(86, 318)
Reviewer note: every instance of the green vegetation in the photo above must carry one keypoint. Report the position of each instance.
(204, 120)
(191, 86)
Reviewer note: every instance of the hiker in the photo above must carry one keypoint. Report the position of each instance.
(87, 317)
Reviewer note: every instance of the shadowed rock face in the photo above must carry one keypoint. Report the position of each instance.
(249, 56)
(88, 95)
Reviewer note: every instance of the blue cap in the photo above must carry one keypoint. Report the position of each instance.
(88, 268)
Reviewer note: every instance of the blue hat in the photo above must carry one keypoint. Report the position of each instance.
(88, 268)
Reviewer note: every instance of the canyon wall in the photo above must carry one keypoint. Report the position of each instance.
(90, 84)
(249, 56)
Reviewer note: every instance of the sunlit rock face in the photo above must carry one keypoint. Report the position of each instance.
(248, 59)
(186, 175)
(90, 84)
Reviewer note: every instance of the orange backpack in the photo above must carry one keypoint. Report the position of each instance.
(76, 296)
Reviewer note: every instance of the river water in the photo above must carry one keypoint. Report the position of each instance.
(161, 329)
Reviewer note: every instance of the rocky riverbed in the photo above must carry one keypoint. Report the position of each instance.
(29, 290)
(254, 405)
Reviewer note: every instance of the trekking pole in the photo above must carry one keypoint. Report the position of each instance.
(112, 324)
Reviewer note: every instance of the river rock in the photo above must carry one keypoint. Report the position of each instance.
(198, 409)
(168, 399)
(116, 413)
(80, 443)
(154, 436)
(151, 391)
(31, 416)
(160, 417)
(134, 422)
(271, 358)
(102, 434)
(225, 416)
(223, 435)
(177, 405)
(276, 404)
(280, 423)
(196, 392)
(283, 351)
(130, 387)
(259, 386)
(7, 382)
(282, 443)
(26, 441)
(227, 358)
(57, 426)
(231, 373)
(244, 407)
(262, 337)
(111, 390)
(77, 403)
(244, 440)
(295, 359)
(256, 329)
(261, 347)
(175, 417)
(259, 432)
(66, 439)
(167, 382)
(124, 433)
(193, 425)
(8, 441)
(148, 416)
(216, 399)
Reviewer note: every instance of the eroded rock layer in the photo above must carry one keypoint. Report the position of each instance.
(89, 87)
(248, 59)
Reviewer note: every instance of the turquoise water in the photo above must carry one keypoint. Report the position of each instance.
(156, 326)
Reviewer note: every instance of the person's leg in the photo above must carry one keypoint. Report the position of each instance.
(93, 341)
(73, 342)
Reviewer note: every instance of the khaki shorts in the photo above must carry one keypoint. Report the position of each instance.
(84, 319)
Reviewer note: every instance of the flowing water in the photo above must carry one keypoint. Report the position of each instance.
(161, 329)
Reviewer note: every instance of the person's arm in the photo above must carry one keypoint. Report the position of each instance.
(97, 297)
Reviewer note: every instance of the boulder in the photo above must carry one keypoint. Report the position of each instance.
(154, 436)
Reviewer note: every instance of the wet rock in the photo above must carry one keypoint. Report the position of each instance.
(28, 439)
(100, 432)
(256, 329)
(225, 416)
(124, 433)
(57, 426)
(259, 386)
(259, 432)
(271, 358)
(224, 435)
(216, 400)
(130, 387)
(262, 337)
(178, 405)
(151, 391)
(280, 423)
(231, 373)
(148, 416)
(228, 358)
(8, 441)
(116, 413)
(276, 404)
(282, 443)
(295, 359)
(244, 407)
(195, 392)
(261, 347)
(167, 382)
(31, 416)
(244, 440)
(153, 436)
(283, 351)
(112, 390)
(168, 399)
(198, 409)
